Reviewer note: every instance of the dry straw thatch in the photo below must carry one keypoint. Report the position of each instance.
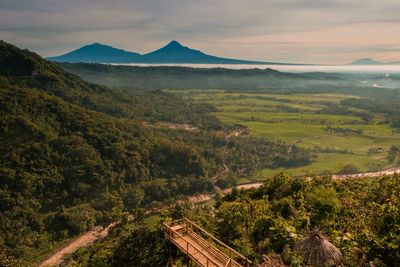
(272, 260)
(318, 251)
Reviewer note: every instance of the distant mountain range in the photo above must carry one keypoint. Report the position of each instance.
(370, 61)
(98, 53)
(173, 52)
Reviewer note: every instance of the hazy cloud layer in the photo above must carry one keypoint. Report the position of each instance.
(311, 31)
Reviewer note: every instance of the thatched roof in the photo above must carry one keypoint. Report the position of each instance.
(317, 250)
(272, 260)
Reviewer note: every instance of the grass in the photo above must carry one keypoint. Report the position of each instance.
(304, 118)
(326, 162)
(244, 180)
(272, 116)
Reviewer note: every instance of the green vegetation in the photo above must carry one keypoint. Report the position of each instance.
(360, 217)
(328, 124)
(75, 154)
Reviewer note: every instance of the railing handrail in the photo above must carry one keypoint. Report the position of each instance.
(188, 242)
(220, 254)
(217, 240)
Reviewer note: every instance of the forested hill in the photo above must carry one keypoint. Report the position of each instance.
(75, 154)
(166, 77)
(26, 69)
(255, 80)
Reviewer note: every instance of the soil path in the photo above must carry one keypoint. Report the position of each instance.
(89, 237)
(367, 174)
(83, 240)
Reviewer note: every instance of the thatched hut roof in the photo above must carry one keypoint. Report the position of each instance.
(272, 260)
(318, 251)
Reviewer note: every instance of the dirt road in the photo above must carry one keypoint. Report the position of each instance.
(367, 174)
(204, 197)
(83, 240)
(89, 237)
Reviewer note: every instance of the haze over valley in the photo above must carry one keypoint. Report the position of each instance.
(266, 134)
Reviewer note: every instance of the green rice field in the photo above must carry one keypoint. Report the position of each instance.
(302, 119)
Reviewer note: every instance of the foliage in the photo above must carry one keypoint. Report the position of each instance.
(75, 154)
(352, 213)
(348, 169)
(359, 223)
(141, 247)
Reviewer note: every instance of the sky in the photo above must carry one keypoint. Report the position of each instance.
(297, 31)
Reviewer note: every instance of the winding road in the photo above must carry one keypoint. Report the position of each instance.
(84, 240)
(88, 238)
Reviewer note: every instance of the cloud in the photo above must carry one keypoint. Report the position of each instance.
(257, 29)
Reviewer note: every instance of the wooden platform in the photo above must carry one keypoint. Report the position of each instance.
(201, 247)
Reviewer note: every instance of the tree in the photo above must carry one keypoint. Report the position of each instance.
(142, 247)
(348, 169)
(323, 203)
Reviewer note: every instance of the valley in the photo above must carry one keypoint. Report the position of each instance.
(199, 133)
(77, 154)
(337, 134)
(163, 143)
(153, 220)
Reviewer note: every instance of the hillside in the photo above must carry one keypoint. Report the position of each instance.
(359, 218)
(136, 78)
(75, 154)
(173, 52)
(164, 77)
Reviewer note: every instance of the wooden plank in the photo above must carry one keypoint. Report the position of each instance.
(194, 250)
(203, 231)
(203, 252)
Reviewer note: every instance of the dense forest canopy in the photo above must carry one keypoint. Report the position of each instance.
(75, 154)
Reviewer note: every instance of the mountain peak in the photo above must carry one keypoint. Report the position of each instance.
(365, 61)
(98, 53)
(96, 44)
(370, 61)
(173, 52)
(173, 45)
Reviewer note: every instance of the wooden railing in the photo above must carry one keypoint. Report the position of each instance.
(229, 263)
(231, 251)
(214, 245)
(170, 235)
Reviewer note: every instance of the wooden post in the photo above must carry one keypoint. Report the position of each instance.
(188, 261)
(171, 258)
(190, 227)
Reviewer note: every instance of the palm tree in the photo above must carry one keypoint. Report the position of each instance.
(318, 251)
